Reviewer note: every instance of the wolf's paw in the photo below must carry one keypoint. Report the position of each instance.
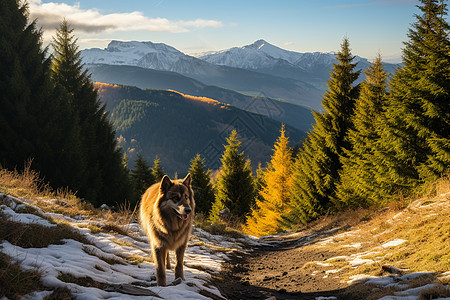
(177, 281)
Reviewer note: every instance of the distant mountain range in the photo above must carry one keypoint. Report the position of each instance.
(166, 58)
(264, 57)
(257, 69)
(175, 127)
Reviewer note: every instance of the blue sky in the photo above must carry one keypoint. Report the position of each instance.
(200, 25)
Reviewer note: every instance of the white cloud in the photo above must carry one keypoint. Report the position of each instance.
(49, 16)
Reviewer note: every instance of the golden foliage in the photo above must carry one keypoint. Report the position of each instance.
(266, 217)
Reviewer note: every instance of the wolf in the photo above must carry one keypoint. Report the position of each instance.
(166, 214)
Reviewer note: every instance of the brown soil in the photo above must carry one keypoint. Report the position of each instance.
(278, 271)
(281, 269)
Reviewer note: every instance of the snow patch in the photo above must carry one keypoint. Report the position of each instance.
(24, 218)
(360, 261)
(359, 278)
(116, 260)
(393, 243)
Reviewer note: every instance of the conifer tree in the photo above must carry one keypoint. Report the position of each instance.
(259, 181)
(141, 176)
(235, 189)
(35, 123)
(267, 215)
(201, 184)
(106, 180)
(157, 170)
(359, 164)
(414, 145)
(316, 170)
(23, 76)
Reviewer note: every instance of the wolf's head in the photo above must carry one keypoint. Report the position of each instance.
(178, 197)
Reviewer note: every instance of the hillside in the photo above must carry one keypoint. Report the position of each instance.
(297, 116)
(176, 127)
(54, 246)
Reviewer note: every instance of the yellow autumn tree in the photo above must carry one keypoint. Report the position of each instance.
(266, 216)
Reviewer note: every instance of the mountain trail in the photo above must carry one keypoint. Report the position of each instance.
(346, 258)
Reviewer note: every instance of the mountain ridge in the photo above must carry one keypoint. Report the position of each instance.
(175, 127)
(294, 115)
(261, 56)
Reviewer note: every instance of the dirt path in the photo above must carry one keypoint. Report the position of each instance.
(278, 273)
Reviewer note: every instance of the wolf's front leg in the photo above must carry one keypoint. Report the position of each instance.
(179, 265)
(168, 261)
(159, 256)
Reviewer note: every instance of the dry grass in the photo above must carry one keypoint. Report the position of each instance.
(61, 293)
(15, 282)
(82, 281)
(37, 236)
(23, 184)
(137, 259)
(27, 184)
(123, 243)
(231, 229)
(212, 248)
(424, 225)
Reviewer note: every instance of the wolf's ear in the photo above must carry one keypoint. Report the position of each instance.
(166, 183)
(187, 180)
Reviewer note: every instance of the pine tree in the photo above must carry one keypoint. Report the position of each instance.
(141, 176)
(316, 170)
(157, 170)
(267, 216)
(24, 74)
(35, 123)
(414, 145)
(106, 180)
(201, 184)
(259, 182)
(359, 164)
(235, 188)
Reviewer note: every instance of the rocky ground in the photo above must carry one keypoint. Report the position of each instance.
(277, 271)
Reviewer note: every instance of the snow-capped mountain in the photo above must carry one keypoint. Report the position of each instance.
(157, 56)
(263, 55)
